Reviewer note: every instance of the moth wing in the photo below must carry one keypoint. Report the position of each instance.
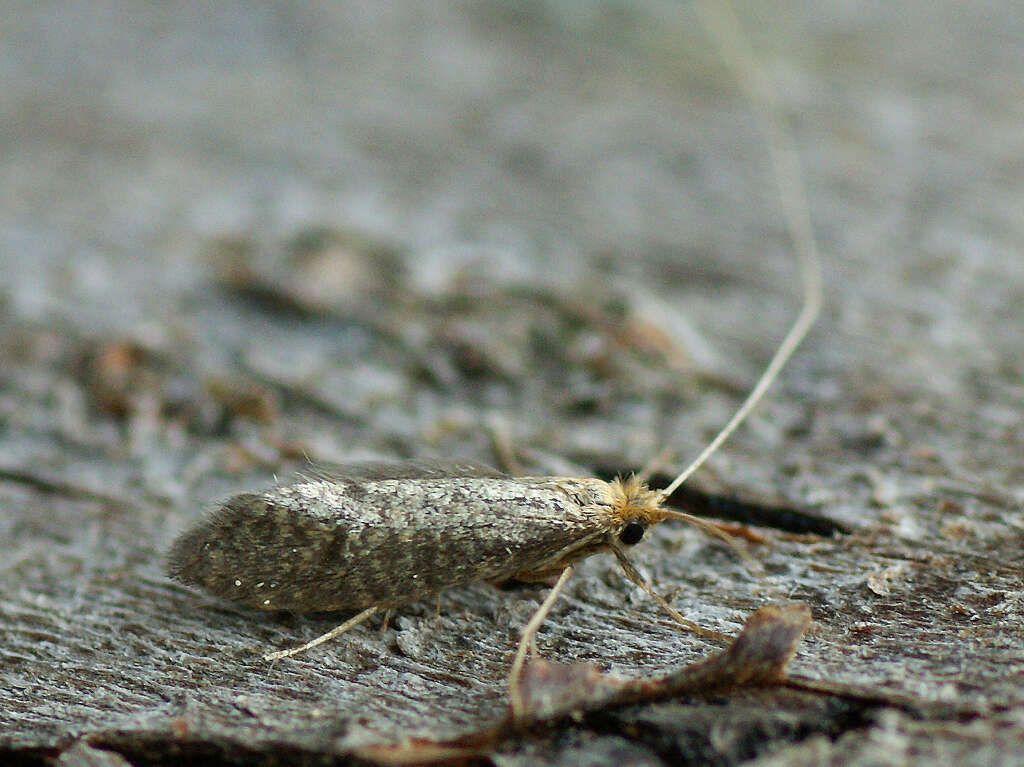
(375, 471)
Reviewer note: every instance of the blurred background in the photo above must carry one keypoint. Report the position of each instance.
(370, 166)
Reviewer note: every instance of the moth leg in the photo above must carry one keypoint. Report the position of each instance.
(634, 575)
(526, 641)
(548, 578)
(355, 621)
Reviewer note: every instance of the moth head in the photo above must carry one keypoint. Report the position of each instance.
(635, 508)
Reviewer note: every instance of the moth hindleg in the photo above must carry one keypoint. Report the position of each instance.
(354, 621)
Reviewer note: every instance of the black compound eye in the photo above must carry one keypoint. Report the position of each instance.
(632, 533)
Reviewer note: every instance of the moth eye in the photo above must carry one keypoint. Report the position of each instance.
(632, 533)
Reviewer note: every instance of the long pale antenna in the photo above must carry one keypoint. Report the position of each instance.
(721, 23)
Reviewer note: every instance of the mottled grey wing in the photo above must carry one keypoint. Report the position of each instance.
(381, 542)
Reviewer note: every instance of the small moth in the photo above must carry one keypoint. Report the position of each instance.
(378, 535)
(386, 535)
(381, 535)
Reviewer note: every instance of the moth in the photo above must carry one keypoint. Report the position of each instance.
(377, 535)
(383, 535)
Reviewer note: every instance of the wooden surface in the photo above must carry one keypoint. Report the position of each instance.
(234, 239)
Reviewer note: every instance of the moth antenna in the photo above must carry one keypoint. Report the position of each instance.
(712, 529)
(721, 23)
(634, 575)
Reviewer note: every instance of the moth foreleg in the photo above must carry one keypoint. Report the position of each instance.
(634, 575)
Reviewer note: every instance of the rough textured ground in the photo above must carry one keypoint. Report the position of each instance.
(235, 237)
